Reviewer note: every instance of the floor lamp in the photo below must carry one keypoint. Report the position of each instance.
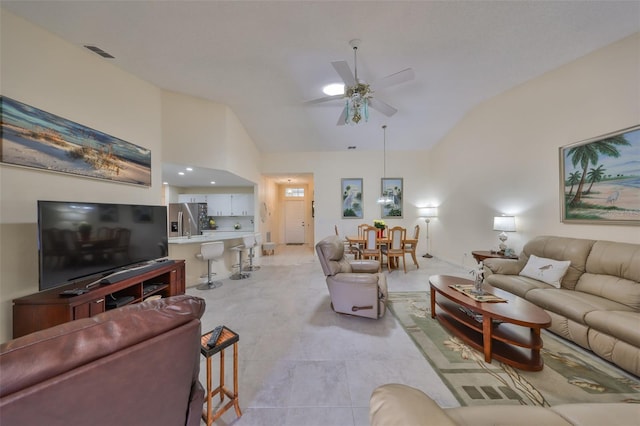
(428, 213)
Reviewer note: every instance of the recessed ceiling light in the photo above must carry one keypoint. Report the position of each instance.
(181, 173)
(333, 89)
(165, 183)
(213, 182)
(189, 169)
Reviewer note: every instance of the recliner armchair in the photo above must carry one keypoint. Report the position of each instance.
(356, 287)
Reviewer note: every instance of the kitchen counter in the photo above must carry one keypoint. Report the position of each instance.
(209, 236)
(187, 248)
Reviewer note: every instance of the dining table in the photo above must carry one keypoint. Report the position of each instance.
(357, 240)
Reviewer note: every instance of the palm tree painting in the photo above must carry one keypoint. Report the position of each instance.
(352, 198)
(600, 179)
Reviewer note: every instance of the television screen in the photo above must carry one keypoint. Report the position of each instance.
(79, 240)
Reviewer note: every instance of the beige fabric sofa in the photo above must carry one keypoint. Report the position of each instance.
(355, 286)
(598, 303)
(401, 405)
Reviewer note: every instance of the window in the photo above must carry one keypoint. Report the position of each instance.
(294, 192)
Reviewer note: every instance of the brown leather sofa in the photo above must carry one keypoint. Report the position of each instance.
(401, 405)
(136, 365)
(356, 287)
(598, 303)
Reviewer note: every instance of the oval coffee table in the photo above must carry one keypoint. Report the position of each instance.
(507, 331)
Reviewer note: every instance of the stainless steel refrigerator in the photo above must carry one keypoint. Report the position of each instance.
(187, 219)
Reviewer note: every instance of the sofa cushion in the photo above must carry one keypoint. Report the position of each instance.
(549, 271)
(511, 415)
(623, 325)
(618, 259)
(611, 287)
(515, 284)
(572, 304)
(599, 414)
(561, 248)
(613, 271)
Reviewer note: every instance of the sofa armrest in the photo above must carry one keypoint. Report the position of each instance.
(395, 404)
(503, 266)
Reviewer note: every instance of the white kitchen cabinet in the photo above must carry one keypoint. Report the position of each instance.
(230, 205)
(219, 205)
(242, 205)
(192, 198)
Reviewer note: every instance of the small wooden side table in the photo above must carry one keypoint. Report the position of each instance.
(226, 339)
(480, 255)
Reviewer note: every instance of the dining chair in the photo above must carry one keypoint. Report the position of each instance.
(371, 248)
(395, 247)
(411, 247)
(361, 229)
(349, 248)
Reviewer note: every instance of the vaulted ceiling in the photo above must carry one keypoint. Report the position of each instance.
(266, 58)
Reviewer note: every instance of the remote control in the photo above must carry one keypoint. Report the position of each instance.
(215, 334)
(74, 292)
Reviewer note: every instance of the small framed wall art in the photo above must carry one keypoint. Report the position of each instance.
(351, 198)
(392, 193)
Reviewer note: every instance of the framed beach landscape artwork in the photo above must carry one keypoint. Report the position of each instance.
(392, 191)
(34, 138)
(600, 179)
(352, 198)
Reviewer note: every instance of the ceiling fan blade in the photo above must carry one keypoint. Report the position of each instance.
(396, 78)
(341, 121)
(383, 107)
(323, 99)
(343, 70)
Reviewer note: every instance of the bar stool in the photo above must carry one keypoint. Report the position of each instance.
(247, 241)
(257, 241)
(210, 252)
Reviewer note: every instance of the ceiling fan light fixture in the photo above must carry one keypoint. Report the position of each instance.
(357, 106)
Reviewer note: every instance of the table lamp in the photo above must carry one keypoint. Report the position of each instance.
(504, 224)
(428, 213)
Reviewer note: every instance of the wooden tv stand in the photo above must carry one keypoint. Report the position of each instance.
(47, 308)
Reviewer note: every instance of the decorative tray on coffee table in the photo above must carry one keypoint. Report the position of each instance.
(467, 290)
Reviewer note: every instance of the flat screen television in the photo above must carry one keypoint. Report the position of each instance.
(82, 241)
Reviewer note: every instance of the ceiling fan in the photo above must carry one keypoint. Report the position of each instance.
(358, 94)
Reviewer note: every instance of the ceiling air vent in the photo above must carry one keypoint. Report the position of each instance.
(99, 51)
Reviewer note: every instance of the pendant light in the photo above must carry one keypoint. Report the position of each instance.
(384, 198)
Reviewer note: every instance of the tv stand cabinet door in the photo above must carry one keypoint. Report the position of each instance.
(88, 309)
(177, 284)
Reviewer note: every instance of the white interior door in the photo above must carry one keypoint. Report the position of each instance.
(294, 222)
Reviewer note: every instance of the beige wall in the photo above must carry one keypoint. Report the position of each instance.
(503, 156)
(328, 168)
(39, 69)
(201, 133)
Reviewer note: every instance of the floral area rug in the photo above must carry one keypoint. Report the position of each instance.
(570, 374)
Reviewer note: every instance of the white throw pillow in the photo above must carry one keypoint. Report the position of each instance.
(546, 270)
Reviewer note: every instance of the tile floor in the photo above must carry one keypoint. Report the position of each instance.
(302, 364)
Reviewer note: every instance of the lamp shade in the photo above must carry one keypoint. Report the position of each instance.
(428, 212)
(504, 223)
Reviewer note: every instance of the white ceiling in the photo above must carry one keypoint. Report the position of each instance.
(265, 58)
